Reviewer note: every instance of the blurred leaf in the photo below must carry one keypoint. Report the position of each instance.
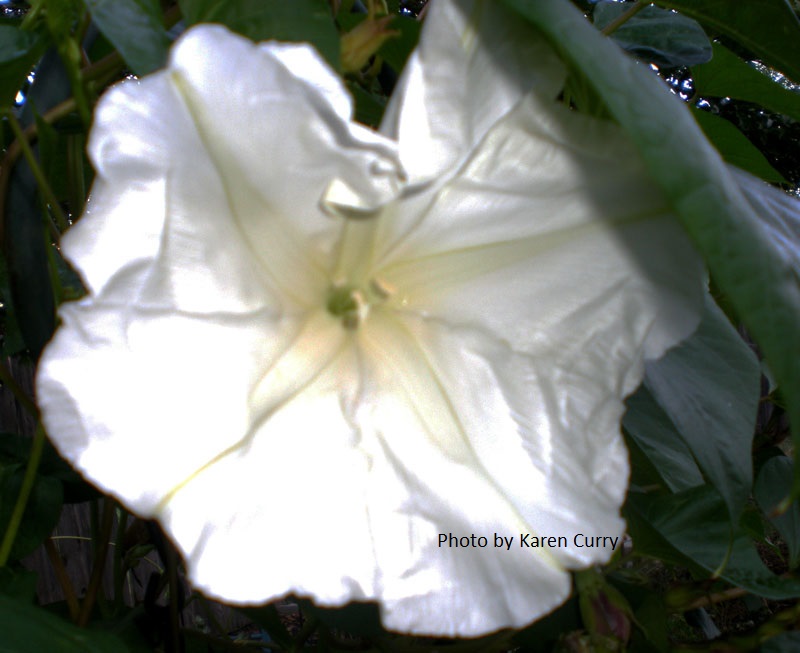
(656, 35)
(708, 198)
(15, 449)
(30, 629)
(26, 257)
(18, 583)
(41, 512)
(709, 386)
(368, 108)
(772, 485)
(728, 76)
(543, 634)
(299, 20)
(768, 28)
(783, 643)
(13, 342)
(650, 620)
(19, 52)
(135, 28)
(396, 51)
(695, 522)
(52, 156)
(780, 221)
(734, 146)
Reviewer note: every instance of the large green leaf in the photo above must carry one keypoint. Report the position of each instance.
(772, 483)
(658, 439)
(734, 146)
(726, 75)
(135, 28)
(30, 629)
(696, 524)
(19, 52)
(260, 20)
(747, 265)
(709, 387)
(657, 35)
(768, 28)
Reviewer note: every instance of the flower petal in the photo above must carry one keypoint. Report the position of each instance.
(531, 288)
(283, 510)
(139, 399)
(474, 62)
(450, 415)
(580, 241)
(304, 142)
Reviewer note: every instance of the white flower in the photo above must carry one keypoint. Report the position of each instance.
(305, 399)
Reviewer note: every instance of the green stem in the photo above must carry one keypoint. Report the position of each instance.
(623, 18)
(14, 151)
(63, 578)
(75, 177)
(38, 173)
(24, 494)
(103, 540)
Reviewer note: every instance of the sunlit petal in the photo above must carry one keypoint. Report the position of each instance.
(475, 62)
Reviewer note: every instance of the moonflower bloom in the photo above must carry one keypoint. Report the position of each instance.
(310, 349)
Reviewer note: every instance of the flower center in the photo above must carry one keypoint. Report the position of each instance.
(352, 304)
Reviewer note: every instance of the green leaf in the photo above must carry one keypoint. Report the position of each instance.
(16, 448)
(768, 28)
(772, 485)
(656, 35)
(709, 386)
(135, 28)
(781, 643)
(299, 20)
(13, 342)
(18, 583)
(728, 76)
(397, 50)
(696, 524)
(41, 512)
(735, 147)
(30, 629)
(747, 264)
(656, 436)
(19, 52)
(27, 262)
(368, 107)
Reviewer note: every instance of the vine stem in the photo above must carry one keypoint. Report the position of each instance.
(63, 578)
(623, 18)
(14, 151)
(24, 494)
(101, 551)
(38, 173)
